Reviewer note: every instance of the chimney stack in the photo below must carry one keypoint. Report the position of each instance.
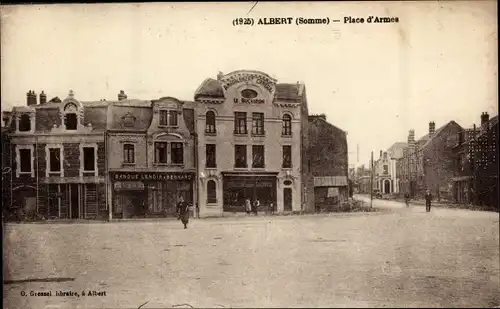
(43, 98)
(484, 118)
(122, 96)
(411, 138)
(432, 128)
(31, 98)
(380, 154)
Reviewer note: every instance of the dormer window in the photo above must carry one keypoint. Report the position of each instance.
(168, 118)
(25, 123)
(71, 121)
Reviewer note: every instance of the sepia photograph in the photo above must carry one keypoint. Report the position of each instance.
(250, 154)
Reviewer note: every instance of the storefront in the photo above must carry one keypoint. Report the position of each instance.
(239, 188)
(149, 194)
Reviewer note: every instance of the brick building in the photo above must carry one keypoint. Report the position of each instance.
(328, 162)
(150, 157)
(476, 174)
(252, 137)
(58, 153)
(429, 162)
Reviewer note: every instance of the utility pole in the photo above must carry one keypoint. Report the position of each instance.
(371, 182)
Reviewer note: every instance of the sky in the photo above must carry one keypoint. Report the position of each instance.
(375, 81)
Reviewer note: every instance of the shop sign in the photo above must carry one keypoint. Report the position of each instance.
(250, 77)
(129, 185)
(151, 176)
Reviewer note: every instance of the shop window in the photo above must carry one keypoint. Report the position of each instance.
(287, 125)
(211, 155)
(71, 121)
(210, 122)
(177, 153)
(168, 118)
(240, 156)
(240, 123)
(258, 156)
(25, 123)
(25, 160)
(54, 160)
(128, 154)
(211, 192)
(161, 152)
(287, 157)
(258, 123)
(89, 159)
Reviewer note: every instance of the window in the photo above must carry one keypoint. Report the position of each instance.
(128, 154)
(210, 122)
(88, 159)
(25, 160)
(25, 123)
(211, 155)
(386, 169)
(168, 118)
(54, 160)
(240, 156)
(177, 153)
(258, 123)
(240, 123)
(287, 156)
(258, 156)
(70, 121)
(161, 152)
(211, 192)
(287, 125)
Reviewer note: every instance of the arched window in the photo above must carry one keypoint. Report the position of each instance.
(70, 116)
(210, 122)
(211, 192)
(287, 125)
(25, 123)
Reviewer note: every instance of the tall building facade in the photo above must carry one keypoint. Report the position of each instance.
(57, 149)
(250, 143)
(395, 152)
(383, 182)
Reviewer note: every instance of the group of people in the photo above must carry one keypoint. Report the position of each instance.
(428, 200)
(252, 207)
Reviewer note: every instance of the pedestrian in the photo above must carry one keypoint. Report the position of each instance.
(248, 206)
(428, 199)
(256, 205)
(183, 211)
(407, 199)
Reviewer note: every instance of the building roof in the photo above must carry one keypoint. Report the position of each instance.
(315, 118)
(129, 115)
(426, 140)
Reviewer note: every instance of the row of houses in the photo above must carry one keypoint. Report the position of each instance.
(455, 164)
(244, 136)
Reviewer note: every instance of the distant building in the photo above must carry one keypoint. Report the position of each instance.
(395, 152)
(328, 162)
(429, 162)
(476, 174)
(383, 181)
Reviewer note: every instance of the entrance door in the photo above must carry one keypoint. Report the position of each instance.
(387, 186)
(287, 199)
(73, 201)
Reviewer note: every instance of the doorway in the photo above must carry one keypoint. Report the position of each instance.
(287, 199)
(387, 186)
(73, 201)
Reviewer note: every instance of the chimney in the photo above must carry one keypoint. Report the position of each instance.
(484, 118)
(411, 138)
(380, 154)
(432, 128)
(43, 98)
(31, 98)
(5, 118)
(122, 96)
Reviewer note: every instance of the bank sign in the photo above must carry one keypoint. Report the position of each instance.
(150, 176)
(248, 77)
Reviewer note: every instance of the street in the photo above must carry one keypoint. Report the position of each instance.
(394, 258)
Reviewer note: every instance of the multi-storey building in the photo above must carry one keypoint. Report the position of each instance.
(395, 152)
(429, 163)
(327, 157)
(58, 153)
(151, 156)
(383, 181)
(252, 140)
(476, 175)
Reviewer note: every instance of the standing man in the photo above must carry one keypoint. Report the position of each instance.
(428, 199)
(183, 211)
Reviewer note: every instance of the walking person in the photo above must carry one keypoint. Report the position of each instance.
(248, 206)
(428, 199)
(407, 199)
(256, 205)
(183, 211)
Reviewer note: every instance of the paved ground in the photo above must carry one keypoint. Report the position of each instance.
(397, 258)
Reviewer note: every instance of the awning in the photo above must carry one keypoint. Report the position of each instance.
(330, 181)
(462, 178)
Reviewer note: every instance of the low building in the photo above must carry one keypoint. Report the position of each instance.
(328, 162)
(57, 154)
